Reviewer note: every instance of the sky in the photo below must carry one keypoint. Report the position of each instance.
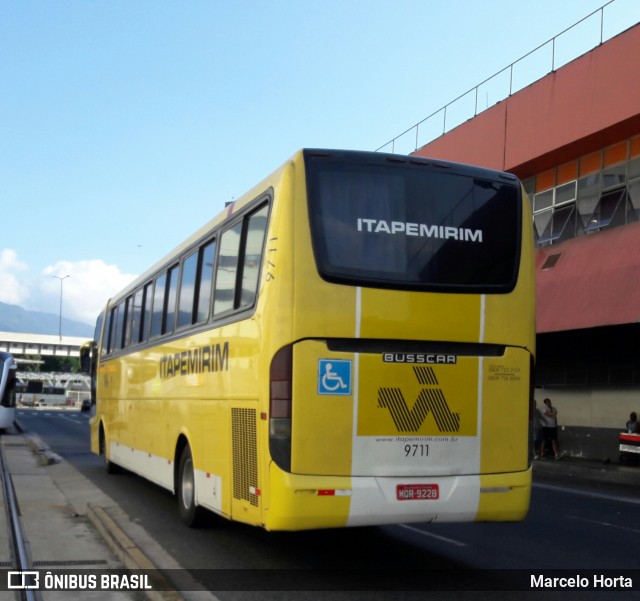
(125, 126)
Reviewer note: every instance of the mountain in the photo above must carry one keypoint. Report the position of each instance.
(17, 319)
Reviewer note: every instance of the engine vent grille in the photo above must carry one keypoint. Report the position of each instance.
(245, 455)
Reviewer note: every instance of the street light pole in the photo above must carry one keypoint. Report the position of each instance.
(61, 280)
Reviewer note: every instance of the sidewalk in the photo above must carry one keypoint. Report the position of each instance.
(57, 536)
(70, 524)
(588, 469)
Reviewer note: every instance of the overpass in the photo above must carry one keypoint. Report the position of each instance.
(41, 344)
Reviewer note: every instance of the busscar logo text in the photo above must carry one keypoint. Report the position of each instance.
(428, 358)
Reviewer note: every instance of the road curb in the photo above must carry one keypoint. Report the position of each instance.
(43, 453)
(117, 532)
(129, 553)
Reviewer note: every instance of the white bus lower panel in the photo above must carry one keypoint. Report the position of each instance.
(405, 500)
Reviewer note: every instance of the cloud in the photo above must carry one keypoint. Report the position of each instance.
(12, 288)
(85, 291)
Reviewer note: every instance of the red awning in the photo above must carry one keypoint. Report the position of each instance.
(590, 281)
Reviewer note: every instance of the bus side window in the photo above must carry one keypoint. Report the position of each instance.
(120, 323)
(104, 348)
(227, 270)
(187, 290)
(194, 301)
(112, 331)
(136, 317)
(128, 321)
(9, 393)
(173, 276)
(158, 305)
(253, 249)
(205, 282)
(145, 327)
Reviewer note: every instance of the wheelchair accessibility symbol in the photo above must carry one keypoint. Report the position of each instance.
(334, 377)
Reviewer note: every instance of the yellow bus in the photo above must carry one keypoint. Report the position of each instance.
(350, 343)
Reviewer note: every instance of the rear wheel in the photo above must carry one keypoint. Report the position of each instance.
(190, 514)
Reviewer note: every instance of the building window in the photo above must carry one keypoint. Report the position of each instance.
(603, 197)
(543, 201)
(588, 197)
(565, 193)
(554, 213)
(613, 176)
(634, 200)
(610, 210)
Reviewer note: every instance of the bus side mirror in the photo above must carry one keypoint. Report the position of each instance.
(85, 358)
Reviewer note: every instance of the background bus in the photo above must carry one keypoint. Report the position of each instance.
(8, 369)
(54, 390)
(350, 343)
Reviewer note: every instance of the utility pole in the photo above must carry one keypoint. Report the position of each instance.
(61, 280)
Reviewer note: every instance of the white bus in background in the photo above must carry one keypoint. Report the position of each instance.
(56, 391)
(41, 392)
(8, 370)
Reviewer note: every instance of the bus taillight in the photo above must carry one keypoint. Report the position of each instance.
(280, 407)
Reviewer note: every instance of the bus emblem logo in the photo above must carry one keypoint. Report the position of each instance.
(430, 400)
(334, 377)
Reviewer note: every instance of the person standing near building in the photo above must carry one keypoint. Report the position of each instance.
(538, 423)
(633, 427)
(550, 428)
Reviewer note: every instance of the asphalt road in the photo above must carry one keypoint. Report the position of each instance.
(571, 526)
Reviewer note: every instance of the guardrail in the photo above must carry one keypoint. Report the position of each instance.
(431, 123)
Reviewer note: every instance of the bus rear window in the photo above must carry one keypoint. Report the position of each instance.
(414, 226)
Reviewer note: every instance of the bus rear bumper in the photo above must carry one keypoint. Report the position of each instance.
(301, 502)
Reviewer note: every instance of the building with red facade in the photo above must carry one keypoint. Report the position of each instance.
(573, 138)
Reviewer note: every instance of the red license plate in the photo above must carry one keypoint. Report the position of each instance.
(417, 492)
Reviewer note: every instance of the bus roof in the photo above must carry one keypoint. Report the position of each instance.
(267, 182)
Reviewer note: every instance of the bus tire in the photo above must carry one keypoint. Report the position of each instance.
(109, 466)
(190, 514)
